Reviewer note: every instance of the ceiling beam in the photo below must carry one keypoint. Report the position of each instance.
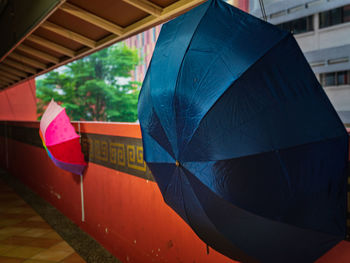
(8, 75)
(51, 45)
(69, 34)
(13, 71)
(10, 81)
(37, 53)
(28, 61)
(146, 6)
(168, 13)
(19, 66)
(91, 18)
(3, 83)
(180, 6)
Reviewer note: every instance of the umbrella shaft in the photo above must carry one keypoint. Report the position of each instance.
(82, 199)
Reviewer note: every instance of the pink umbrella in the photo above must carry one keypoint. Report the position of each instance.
(62, 143)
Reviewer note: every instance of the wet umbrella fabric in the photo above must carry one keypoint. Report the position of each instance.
(241, 139)
(62, 143)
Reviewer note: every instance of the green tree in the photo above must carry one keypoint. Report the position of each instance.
(94, 87)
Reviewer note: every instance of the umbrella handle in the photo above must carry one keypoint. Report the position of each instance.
(82, 199)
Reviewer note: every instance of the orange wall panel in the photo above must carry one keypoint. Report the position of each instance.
(5, 107)
(19, 102)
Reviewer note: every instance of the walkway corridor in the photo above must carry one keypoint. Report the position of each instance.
(26, 237)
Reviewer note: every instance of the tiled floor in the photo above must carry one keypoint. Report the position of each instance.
(25, 237)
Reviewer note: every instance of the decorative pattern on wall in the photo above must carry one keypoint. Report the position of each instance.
(123, 154)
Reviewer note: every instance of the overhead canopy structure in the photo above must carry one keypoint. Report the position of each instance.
(37, 38)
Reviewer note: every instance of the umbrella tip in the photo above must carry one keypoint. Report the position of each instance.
(177, 163)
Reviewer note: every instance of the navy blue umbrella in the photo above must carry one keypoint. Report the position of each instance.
(241, 138)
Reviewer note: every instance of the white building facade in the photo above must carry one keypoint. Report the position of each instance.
(322, 29)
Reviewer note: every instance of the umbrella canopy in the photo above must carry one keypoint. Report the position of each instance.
(60, 139)
(241, 138)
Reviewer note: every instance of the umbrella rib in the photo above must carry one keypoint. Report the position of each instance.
(166, 189)
(183, 199)
(147, 92)
(182, 61)
(155, 113)
(185, 173)
(166, 136)
(62, 141)
(204, 211)
(273, 150)
(284, 170)
(49, 116)
(69, 163)
(231, 85)
(293, 146)
(248, 211)
(206, 74)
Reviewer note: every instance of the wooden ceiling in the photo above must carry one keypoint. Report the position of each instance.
(76, 28)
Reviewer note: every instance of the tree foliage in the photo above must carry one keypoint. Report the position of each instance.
(94, 88)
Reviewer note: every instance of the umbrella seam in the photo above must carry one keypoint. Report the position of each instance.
(255, 214)
(179, 70)
(51, 116)
(66, 161)
(230, 86)
(213, 225)
(60, 142)
(204, 211)
(281, 149)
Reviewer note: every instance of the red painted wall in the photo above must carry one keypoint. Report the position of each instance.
(125, 213)
(19, 102)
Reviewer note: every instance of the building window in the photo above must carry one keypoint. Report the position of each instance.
(346, 10)
(335, 78)
(335, 16)
(342, 78)
(301, 25)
